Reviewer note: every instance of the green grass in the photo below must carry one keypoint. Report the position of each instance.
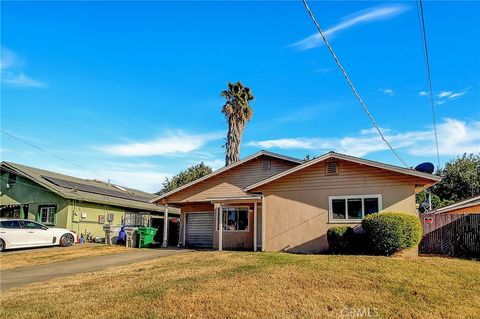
(258, 285)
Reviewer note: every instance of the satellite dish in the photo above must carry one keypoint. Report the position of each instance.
(426, 167)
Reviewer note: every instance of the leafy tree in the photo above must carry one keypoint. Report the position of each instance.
(437, 202)
(184, 177)
(237, 111)
(460, 178)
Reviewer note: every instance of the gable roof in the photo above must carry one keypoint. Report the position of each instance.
(229, 167)
(331, 155)
(473, 201)
(85, 189)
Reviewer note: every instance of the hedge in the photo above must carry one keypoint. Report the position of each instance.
(338, 239)
(390, 232)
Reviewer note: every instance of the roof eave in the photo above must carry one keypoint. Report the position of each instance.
(226, 168)
(329, 155)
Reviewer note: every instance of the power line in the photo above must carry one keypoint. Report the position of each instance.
(350, 83)
(51, 154)
(421, 21)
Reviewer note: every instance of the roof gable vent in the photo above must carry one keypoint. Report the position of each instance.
(331, 168)
(266, 164)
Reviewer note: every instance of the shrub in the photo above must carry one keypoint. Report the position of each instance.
(340, 239)
(390, 232)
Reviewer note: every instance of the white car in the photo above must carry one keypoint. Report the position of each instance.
(23, 233)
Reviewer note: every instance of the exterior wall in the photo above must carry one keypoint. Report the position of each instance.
(232, 240)
(90, 224)
(69, 212)
(231, 182)
(297, 206)
(467, 210)
(24, 191)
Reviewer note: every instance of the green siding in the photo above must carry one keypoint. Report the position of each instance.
(69, 212)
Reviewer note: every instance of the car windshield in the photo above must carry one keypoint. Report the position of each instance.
(11, 224)
(32, 225)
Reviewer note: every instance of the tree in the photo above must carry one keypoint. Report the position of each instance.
(460, 178)
(237, 111)
(184, 177)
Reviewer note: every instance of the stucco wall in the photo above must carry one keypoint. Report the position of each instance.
(296, 213)
(235, 240)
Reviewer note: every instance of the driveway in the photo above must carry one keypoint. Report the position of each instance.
(26, 275)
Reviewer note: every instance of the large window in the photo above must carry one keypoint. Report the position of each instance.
(235, 219)
(47, 214)
(348, 209)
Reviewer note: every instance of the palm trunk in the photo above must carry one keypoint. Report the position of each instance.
(234, 139)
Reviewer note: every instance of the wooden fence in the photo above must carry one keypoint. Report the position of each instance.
(451, 234)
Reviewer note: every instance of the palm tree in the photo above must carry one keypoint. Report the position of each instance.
(237, 111)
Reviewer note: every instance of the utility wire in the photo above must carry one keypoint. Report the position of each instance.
(52, 154)
(350, 82)
(421, 21)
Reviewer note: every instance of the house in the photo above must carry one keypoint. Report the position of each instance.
(278, 203)
(467, 206)
(81, 205)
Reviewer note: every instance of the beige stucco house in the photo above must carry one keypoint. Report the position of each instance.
(273, 202)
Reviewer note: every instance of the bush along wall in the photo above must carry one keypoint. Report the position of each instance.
(389, 232)
(344, 240)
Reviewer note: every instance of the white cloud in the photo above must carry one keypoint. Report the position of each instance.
(388, 92)
(456, 95)
(360, 17)
(450, 95)
(172, 143)
(454, 136)
(423, 93)
(445, 94)
(20, 79)
(285, 143)
(11, 71)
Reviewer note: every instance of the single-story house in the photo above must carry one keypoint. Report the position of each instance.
(278, 203)
(467, 206)
(81, 205)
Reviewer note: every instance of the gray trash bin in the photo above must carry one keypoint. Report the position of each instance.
(111, 234)
(132, 236)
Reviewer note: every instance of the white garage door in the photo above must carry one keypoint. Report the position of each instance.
(199, 230)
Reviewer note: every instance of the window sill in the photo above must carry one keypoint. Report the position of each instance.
(345, 221)
(234, 231)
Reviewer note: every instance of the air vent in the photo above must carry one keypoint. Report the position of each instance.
(266, 164)
(332, 168)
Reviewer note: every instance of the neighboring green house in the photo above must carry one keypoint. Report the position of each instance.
(81, 205)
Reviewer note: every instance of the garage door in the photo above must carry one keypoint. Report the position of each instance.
(199, 230)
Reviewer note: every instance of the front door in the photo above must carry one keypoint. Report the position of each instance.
(38, 234)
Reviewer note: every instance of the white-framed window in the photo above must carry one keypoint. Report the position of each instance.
(234, 218)
(353, 208)
(47, 214)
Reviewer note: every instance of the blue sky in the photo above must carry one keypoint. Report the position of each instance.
(130, 91)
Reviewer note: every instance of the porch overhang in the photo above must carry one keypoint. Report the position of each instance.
(236, 199)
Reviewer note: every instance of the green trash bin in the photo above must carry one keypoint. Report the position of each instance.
(146, 235)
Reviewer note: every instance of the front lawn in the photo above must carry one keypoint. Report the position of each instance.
(10, 260)
(258, 285)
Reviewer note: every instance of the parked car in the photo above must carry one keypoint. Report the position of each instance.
(23, 233)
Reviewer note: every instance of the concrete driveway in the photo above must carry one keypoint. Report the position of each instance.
(26, 275)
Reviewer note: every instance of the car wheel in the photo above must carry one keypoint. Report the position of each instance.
(66, 240)
(2, 245)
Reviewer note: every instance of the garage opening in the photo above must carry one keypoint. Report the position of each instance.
(199, 230)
